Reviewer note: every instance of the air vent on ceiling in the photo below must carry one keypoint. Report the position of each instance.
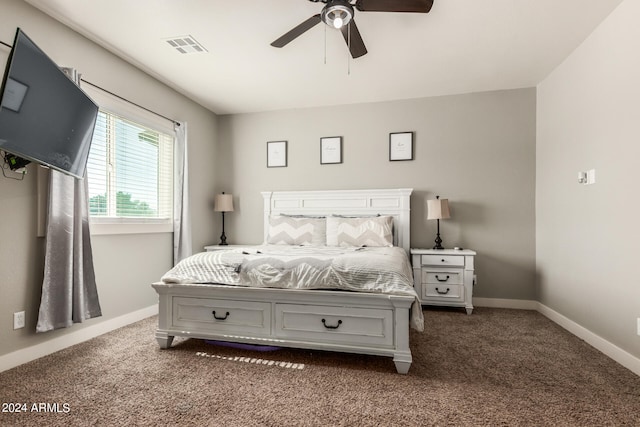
(186, 44)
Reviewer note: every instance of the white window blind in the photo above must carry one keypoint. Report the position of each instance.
(130, 172)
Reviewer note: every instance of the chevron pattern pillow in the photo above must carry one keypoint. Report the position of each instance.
(288, 230)
(365, 231)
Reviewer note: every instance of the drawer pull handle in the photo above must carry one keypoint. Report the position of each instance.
(324, 322)
(220, 318)
(443, 260)
(441, 280)
(442, 292)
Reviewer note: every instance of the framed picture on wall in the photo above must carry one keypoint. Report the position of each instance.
(277, 154)
(330, 150)
(401, 146)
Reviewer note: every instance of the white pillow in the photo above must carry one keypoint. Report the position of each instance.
(365, 231)
(288, 230)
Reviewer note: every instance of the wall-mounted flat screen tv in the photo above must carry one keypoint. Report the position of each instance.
(44, 116)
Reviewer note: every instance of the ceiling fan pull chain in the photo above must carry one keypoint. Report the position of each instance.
(325, 45)
(348, 50)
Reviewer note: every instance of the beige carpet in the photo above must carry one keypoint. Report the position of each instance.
(494, 368)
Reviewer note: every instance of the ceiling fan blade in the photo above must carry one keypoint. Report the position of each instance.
(297, 31)
(417, 6)
(356, 45)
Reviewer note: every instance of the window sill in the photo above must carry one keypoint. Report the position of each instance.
(104, 226)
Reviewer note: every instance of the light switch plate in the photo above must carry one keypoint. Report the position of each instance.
(582, 178)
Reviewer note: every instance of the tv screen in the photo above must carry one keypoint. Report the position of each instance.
(44, 116)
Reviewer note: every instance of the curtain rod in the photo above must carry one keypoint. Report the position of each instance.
(117, 96)
(130, 102)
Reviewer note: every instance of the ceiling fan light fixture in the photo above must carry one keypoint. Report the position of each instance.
(337, 13)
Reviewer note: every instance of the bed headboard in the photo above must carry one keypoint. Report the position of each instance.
(394, 202)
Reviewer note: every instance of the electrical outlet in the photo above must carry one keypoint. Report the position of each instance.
(638, 326)
(18, 320)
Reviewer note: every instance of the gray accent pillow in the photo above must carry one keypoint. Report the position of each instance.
(288, 230)
(364, 231)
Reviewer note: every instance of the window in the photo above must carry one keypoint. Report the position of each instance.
(130, 174)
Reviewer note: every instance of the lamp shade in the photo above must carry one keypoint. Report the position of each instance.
(223, 203)
(438, 209)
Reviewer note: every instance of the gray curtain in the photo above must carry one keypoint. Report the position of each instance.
(181, 213)
(69, 293)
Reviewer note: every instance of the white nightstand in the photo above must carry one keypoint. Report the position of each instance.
(212, 248)
(444, 277)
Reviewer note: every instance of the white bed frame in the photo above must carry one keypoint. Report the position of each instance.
(353, 322)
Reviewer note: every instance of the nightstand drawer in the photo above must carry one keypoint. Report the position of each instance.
(443, 292)
(448, 277)
(448, 260)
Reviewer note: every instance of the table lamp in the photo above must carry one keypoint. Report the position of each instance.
(438, 209)
(223, 203)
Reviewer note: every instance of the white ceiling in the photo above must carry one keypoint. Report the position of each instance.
(461, 46)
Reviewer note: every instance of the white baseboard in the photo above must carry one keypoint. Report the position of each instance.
(624, 358)
(627, 360)
(519, 304)
(28, 354)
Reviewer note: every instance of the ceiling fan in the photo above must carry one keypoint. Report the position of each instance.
(339, 14)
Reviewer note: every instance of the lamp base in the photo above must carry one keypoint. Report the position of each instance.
(438, 242)
(438, 239)
(223, 237)
(223, 240)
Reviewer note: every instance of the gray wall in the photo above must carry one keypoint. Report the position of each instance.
(125, 264)
(589, 118)
(477, 150)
